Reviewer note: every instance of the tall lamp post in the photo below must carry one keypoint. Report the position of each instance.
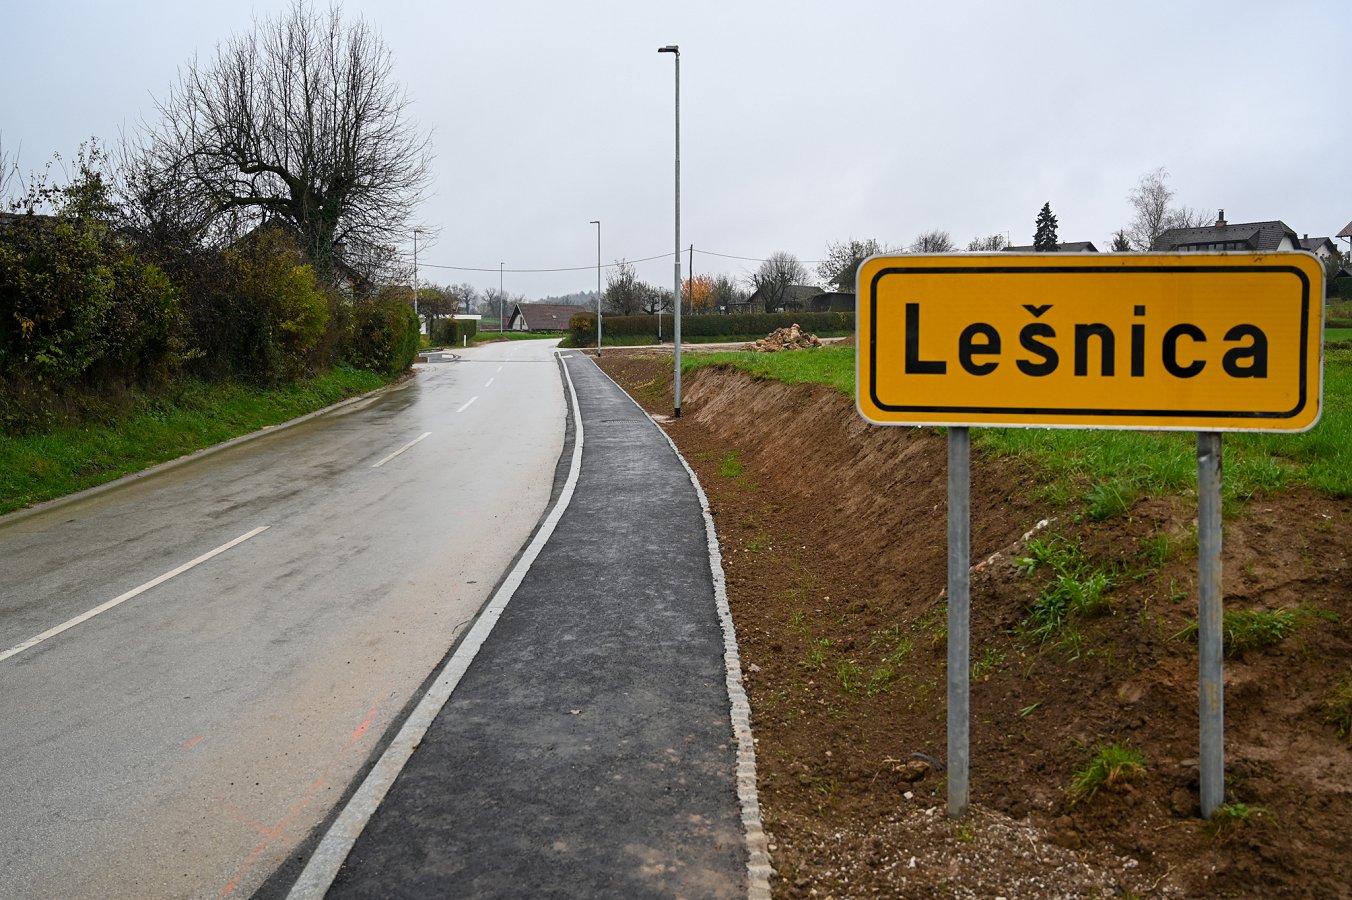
(597, 223)
(502, 323)
(416, 232)
(675, 50)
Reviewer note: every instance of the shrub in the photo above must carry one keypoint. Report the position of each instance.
(384, 336)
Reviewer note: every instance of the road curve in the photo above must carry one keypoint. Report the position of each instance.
(195, 664)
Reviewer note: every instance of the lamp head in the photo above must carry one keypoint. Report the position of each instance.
(670, 48)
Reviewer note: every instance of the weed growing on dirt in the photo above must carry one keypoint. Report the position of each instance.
(816, 654)
(1076, 588)
(1159, 550)
(1109, 499)
(991, 660)
(1338, 706)
(1249, 629)
(1228, 819)
(731, 464)
(1113, 764)
(850, 675)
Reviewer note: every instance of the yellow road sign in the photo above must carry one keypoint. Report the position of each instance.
(1189, 342)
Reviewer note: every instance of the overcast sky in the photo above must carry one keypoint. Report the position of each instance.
(801, 123)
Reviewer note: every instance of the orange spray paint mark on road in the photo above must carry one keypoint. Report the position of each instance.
(271, 835)
(192, 742)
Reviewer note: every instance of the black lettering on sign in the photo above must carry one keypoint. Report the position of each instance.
(1256, 352)
(914, 364)
(1170, 351)
(1107, 341)
(1028, 337)
(969, 349)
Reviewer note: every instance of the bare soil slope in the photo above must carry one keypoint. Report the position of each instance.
(833, 534)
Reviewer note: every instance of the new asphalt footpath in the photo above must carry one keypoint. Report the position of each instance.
(589, 737)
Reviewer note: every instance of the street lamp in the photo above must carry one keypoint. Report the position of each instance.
(416, 232)
(676, 337)
(597, 223)
(502, 323)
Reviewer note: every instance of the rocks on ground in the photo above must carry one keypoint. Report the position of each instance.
(791, 338)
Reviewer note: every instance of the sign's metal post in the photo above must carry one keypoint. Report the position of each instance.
(1211, 760)
(959, 617)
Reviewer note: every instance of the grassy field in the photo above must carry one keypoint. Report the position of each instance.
(1337, 335)
(34, 468)
(1115, 466)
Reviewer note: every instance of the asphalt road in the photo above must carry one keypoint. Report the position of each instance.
(182, 742)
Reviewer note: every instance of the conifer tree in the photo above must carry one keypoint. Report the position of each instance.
(1044, 240)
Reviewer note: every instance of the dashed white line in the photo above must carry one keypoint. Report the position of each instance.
(123, 598)
(466, 406)
(499, 368)
(420, 437)
(488, 383)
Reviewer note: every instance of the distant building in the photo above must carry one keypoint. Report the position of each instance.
(1243, 237)
(542, 316)
(1322, 247)
(1068, 247)
(795, 297)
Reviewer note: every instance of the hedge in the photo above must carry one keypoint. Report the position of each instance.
(615, 328)
(452, 332)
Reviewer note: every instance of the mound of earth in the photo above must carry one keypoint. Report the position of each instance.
(791, 338)
(833, 540)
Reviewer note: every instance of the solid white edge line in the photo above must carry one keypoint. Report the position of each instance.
(467, 404)
(318, 875)
(758, 864)
(423, 436)
(123, 598)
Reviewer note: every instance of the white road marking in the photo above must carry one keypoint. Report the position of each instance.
(466, 406)
(499, 368)
(317, 877)
(425, 434)
(488, 383)
(123, 598)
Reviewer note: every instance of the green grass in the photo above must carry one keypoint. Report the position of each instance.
(193, 415)
(1249, 629)
(1124, 463)
(831, 366)
(1337, 335)
(1076, 588)
(1113, 764)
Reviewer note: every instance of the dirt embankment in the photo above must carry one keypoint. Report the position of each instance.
(834, 541)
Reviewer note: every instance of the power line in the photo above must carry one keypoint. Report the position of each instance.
(592, 268)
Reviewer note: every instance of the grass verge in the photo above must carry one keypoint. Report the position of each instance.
(1117, 466)
(188, 417)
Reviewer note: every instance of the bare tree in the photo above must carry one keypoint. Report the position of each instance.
(9, 172)
(842, 261)
(624, 293)
(727, 293)
(935, 241)
(989, 243)
(1187, 217)
(299, 120)
(1151, 199)
(774, 277)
